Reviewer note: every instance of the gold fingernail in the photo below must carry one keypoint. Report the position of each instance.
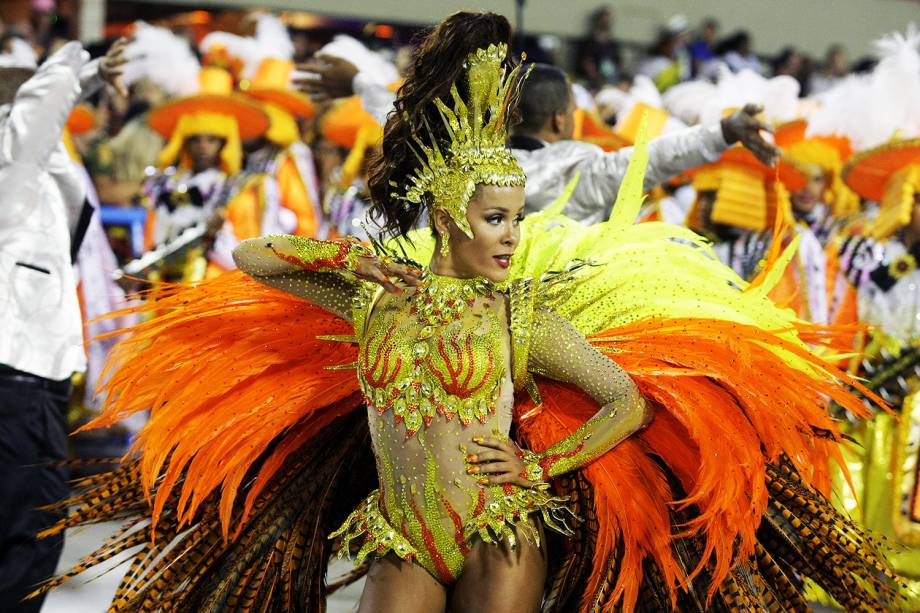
(471, 458)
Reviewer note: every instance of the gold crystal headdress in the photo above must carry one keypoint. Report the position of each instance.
(477, 130)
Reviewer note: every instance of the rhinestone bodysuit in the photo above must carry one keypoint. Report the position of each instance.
(438, 365)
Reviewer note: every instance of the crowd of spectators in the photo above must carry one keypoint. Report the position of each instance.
(682, 51)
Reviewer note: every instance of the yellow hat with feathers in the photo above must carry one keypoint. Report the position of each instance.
(890, 175)
(214, 111)
(828, 153)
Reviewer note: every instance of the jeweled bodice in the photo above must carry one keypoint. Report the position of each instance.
(434, 365)
(440, 350)
(438, 366)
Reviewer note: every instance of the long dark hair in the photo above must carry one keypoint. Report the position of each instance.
(437, 64)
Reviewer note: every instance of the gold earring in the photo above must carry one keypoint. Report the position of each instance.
(445, 247)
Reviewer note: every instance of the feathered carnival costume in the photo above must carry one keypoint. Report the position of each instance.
(265, 409)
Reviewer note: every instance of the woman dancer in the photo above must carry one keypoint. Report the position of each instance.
(438, 362)
(264, 406)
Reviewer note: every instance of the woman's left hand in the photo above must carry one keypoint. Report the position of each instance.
(496, 461)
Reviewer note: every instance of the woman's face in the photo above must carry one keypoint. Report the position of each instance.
(494, 214)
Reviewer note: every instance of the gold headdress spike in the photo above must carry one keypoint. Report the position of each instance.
(477, 130)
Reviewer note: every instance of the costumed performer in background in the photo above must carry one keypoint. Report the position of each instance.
(202, 157)
(43, 219)
(278, 182)
(882, 267)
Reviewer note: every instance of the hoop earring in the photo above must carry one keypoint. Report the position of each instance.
(445, 246)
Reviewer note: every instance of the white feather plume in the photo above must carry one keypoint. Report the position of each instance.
(871, 109)
(614, 101)
(21, 55)
(611, 100)
(166, 59)
(271, 40)
(583, 98)
(686, 100)
(703, 102)
(242, 48)
(369, 63)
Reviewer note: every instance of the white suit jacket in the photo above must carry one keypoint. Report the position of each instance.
(550, 168)
(41, 195)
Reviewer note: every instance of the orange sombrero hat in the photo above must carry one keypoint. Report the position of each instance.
(868, 173)
(789, 173)
(890, 175)
(81, 119)
(215, 97)
(271, 84)
(793, 132)
(346, 120)
(347, 124)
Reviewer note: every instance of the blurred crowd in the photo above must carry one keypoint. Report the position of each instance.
(683, 51)
(184, 142)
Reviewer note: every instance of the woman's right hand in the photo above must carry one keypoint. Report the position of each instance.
(382, 270)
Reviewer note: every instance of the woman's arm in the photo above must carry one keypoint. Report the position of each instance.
(327, 273)
(560, 352)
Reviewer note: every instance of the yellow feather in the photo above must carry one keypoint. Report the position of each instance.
(629, 197)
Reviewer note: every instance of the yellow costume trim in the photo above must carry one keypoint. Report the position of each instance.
(282, 129)
(496, 522)
(203, 122)
(897, 203)
(743, 198)
(67, 139)
(353, 163)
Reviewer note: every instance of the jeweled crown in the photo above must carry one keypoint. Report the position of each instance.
(477, 130)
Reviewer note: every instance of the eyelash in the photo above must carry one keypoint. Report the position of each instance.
(497, 219)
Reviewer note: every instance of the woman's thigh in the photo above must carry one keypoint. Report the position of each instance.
(395, 585)
(499, 579)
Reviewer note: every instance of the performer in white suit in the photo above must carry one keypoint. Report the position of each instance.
(42, 217)
(543, 145)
